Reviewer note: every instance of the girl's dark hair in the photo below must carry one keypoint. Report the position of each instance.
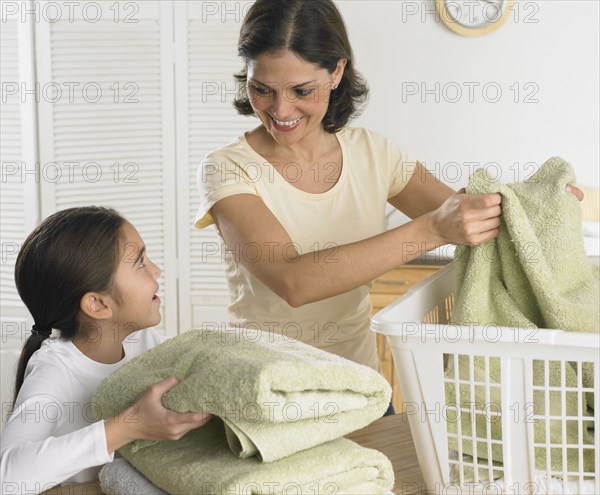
(315, 31)
(71, 252)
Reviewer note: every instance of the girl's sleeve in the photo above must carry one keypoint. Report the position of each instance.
(33, 459)
(219, 176)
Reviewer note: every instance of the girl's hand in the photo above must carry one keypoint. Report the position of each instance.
(469, 219)
(148, 419)
(156, 422)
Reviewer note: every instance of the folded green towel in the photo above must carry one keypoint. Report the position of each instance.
(276, 397)
(201, 463)
(534, 274)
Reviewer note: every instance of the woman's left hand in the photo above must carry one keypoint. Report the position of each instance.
(578, 193)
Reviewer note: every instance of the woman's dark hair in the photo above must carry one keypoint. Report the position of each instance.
(70, 253)
(315, 31)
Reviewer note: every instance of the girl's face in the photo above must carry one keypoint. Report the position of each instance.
(289, 95)
(135, 280)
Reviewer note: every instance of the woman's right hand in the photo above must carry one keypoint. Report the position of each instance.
(468, 219)
(148, 419)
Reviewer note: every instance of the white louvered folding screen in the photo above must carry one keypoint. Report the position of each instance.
(17, 153)
(207, 59)
(131, 96)
(107, 121)
(19, 208)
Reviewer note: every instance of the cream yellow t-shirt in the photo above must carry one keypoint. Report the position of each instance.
(373, 170)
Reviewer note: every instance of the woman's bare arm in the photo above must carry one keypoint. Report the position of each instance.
(299, 278)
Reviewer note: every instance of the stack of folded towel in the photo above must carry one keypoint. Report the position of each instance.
(534, 274)
(281, 409)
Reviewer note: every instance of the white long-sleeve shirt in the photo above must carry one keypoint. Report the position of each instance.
(51, 435)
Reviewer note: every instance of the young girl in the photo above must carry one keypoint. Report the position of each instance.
(85, 273)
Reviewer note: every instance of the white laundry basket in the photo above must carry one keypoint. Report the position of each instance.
(431, 355)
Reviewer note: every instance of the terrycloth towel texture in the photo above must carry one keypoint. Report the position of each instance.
(276, 397)
(201, 463)
(121, 478)
(534, 274)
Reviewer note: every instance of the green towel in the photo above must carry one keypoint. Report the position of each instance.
(276, 397)
(201, 463)
(534, 274)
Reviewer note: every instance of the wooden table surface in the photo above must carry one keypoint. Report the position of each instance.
(390, 435)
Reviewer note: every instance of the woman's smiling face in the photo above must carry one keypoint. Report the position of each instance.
(289, 95)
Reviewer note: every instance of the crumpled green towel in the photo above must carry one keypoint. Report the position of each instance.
(276, 397)
(534, 274)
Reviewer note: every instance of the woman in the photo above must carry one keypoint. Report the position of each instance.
(299, 201)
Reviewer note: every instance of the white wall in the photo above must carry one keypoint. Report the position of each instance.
(557, 56)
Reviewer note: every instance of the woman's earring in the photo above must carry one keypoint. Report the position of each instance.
(334, 87)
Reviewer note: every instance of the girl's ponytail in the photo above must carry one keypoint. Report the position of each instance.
(70, 253)
(32, 344)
